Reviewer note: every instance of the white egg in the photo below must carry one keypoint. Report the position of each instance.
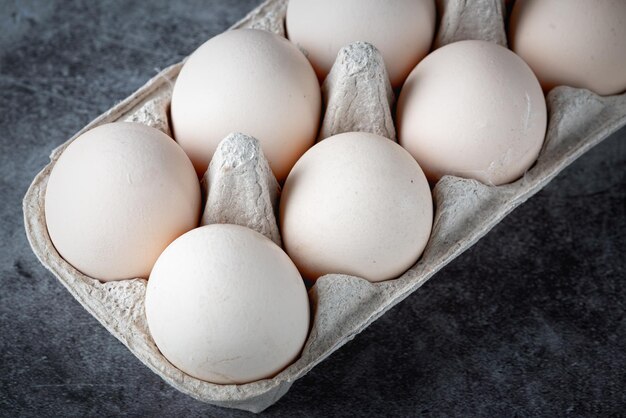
(402, 30)
(248, 81)
(226, 305)
(472, 109)
(578, 43)
(118, 195)
(356, 203)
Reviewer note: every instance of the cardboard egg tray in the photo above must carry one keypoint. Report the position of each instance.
(341, 305)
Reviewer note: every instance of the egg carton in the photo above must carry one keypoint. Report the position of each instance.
(358, 97)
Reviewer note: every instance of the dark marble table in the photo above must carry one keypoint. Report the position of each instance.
(530, 322)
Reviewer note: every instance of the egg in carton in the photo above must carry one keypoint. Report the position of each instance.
(357, 97)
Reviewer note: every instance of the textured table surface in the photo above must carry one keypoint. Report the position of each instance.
(530, 321)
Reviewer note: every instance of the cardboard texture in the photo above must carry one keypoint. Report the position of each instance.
(342, 306)
(357, 94)
(240, 187)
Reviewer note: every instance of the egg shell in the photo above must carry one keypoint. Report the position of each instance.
(117, 196)
(472, 109)
(227, 305)
(356, 203)
(402, 30)
(578, 43)
(248, 81)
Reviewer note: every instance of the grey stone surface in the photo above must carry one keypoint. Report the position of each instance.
(529, 321)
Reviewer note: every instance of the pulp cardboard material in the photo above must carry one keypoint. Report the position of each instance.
(357, 94)
(240, 187)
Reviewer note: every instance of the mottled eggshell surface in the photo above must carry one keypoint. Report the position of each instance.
(578, 43)
(118, 195)
(248, 81)
(356, 203)
(472, 109)
(226, 305)
(402, 30)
